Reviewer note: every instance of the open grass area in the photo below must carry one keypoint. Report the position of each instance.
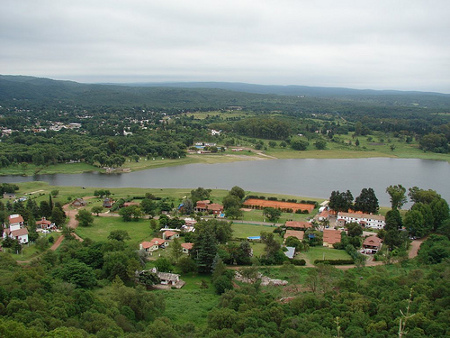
(319, 252)
(243, 230)
(30, 251)
(139, 231)
(192, 303)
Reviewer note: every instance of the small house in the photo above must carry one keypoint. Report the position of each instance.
(187, 247)
(153, 245)
(294, 233)
(215, 209)
(20, 235)
(168, 235)
(202, 206)
(45, 224)
(79, 202)
(372, 244)
(108, 202)
(9, 195)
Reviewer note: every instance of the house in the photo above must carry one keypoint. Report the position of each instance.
(365, 220)
(168, 235)
(215, 209)
(202, 206)
(45, 224)
(108, 202)
(372, 244)
(16, 229)
(168, 279)
(153, 245)
(79, 202)
(187, 247)
(9, 195)
(15, 222)
(190, 221)
(298, 225)
(294, 233)
(331, 236)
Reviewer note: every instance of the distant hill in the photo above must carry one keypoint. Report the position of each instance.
(212, 95)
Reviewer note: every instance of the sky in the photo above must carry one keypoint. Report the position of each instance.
(363, 44)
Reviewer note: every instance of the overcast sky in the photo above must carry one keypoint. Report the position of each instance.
(378, 44)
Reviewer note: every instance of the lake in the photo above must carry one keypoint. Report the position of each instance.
(299, 177)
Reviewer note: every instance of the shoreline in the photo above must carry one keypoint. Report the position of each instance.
(80, 168)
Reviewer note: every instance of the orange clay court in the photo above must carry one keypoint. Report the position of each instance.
(252, 202)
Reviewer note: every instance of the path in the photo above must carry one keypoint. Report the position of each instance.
(415, 245)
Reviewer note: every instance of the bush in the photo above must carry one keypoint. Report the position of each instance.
(299, 262)
(334, 261)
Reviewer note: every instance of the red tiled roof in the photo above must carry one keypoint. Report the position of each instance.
(170, 233)
(15, 219)
(294, 233)
(215, 207)
(154, 241)
(187, 246)
(298, 224)
(44, 221)
(19, 232)
(373, 241)
(331, 236)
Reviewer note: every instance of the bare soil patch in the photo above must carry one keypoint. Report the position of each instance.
(253, 202)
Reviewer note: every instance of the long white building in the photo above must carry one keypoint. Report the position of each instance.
(365, 220)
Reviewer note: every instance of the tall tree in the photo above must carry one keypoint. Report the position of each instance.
(205, 249)
(367, 201)
(341, 201)
(397, 194)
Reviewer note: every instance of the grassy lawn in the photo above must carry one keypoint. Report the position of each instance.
(192, 303)
(321, 252)
(30, 250)
(139, 231)
(244, 230)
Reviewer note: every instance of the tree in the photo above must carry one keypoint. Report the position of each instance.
(341, 201)
(205, 249)
(54, 193)
(97, 209)
(231, 201)
(397, 194)
(119, 235)
(237, 191)
(414, 223)
(148, 206)
(148, 278)
(176, 250)
(367, 202)
(85, 218)
(272, 214)
(299, 144)
(133, 212)
(320, 144)
(58, 217)
(418, 195)
(200, 194)
(234, 213)
(77, 273)
(163, 264)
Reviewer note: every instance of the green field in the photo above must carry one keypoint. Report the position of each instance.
(243, 230)
(319, 252)
(139, 231)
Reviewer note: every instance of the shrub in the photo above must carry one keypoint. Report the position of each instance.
(334, 261)
(299, 262)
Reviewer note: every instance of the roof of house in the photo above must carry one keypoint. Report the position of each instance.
(373, 241)
(214, 207)
(294, 233)
(170, 233)
(44, 221)
(187, 246)
(154, 241)
(16, 218)
(20, 232)
(168, 276)
(203, 202)
(361, 215)
(298, 224)
(331, 236)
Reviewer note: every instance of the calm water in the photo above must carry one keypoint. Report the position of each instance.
(300, 177)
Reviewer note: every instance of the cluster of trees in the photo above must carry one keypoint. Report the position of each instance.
(366, 202)
(266, 128)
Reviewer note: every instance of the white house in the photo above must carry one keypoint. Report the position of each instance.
(16, 229)
(365, 220)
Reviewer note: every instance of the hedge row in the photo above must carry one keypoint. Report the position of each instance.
(334, 261)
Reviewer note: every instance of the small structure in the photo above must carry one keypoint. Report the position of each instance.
(372, 244)
(187, 247)
(45, 224)
(298, 225)
(202, 206)
(168, 235)
(79, 202)
(294, 233)
(215, 208)
(290, 253)
(108, 202)
(330, 237)
(153, 245)
(9, 195)
(190, 221)
(168, 279)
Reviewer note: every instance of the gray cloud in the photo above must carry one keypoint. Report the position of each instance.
(363, 44)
